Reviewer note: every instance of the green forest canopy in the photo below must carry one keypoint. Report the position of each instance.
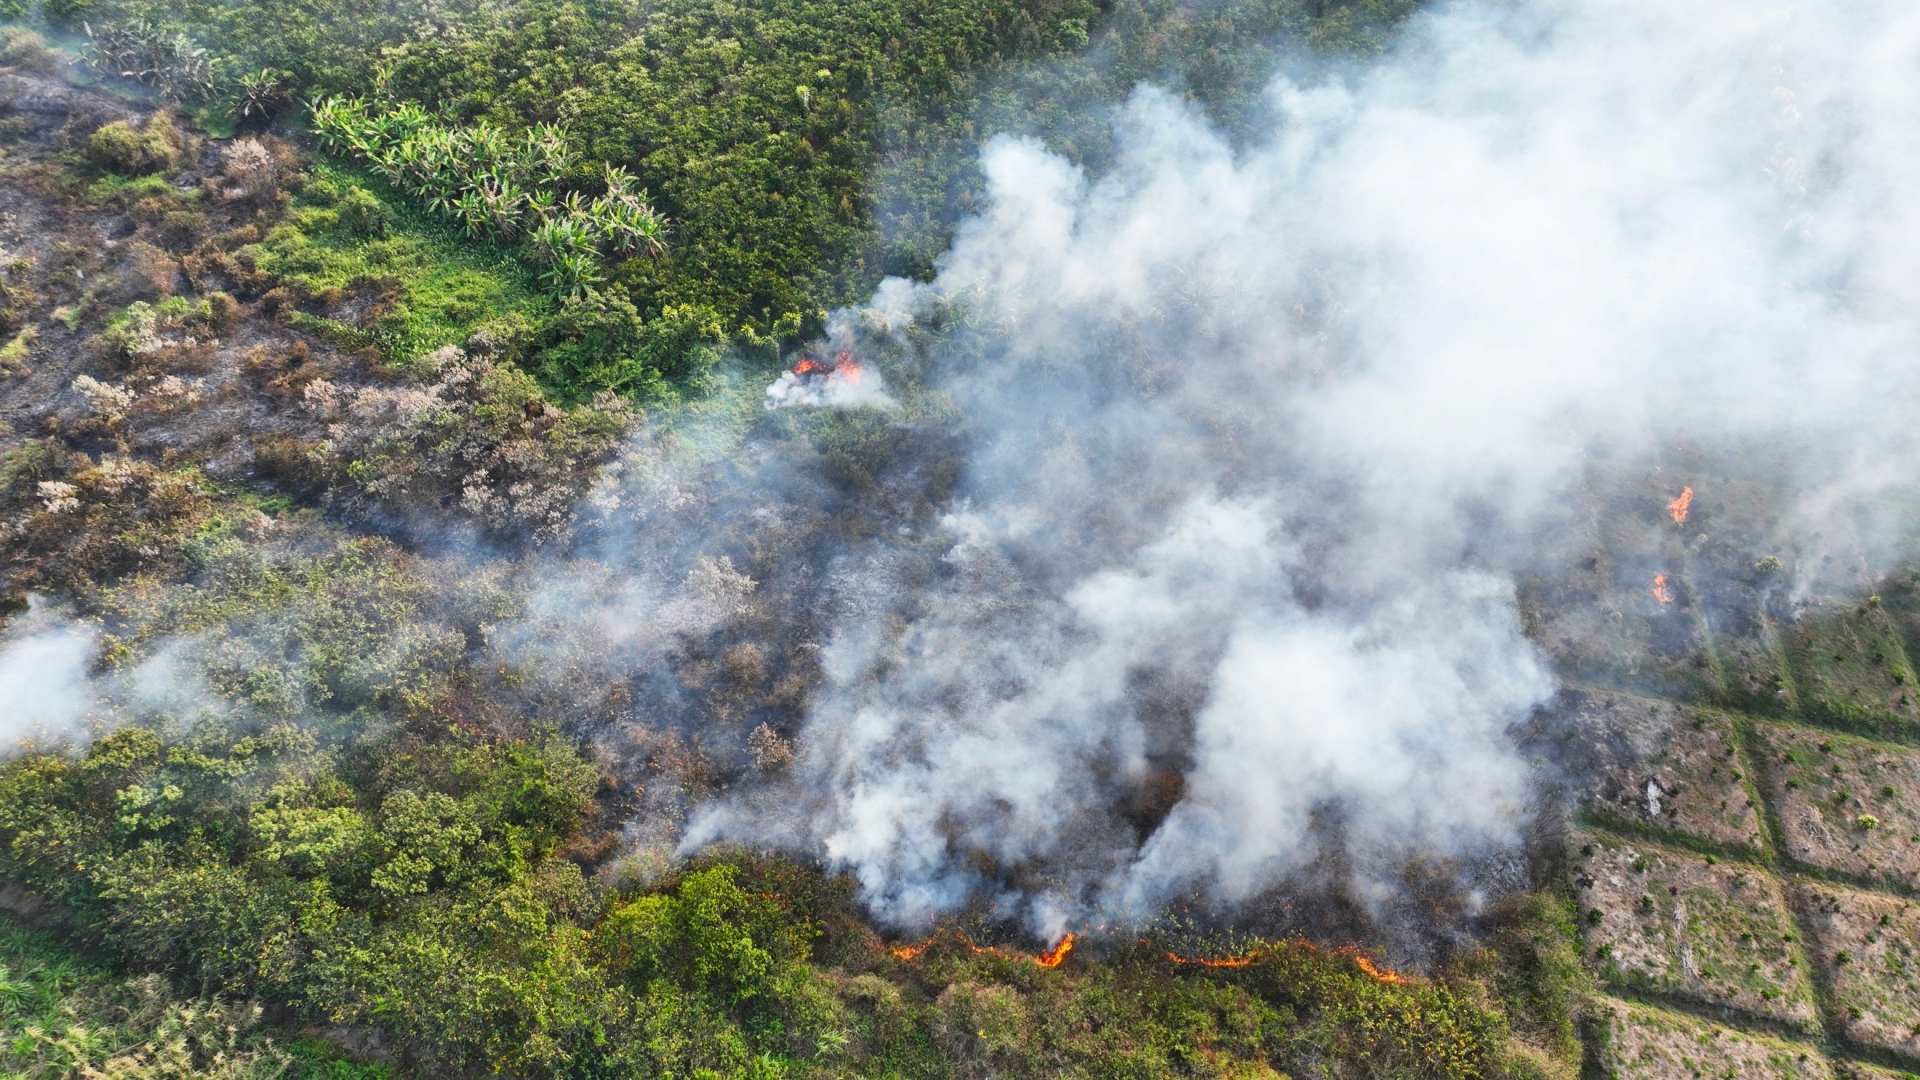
(799, 149)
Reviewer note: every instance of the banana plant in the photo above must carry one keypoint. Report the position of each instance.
(472, 213)
(548, 153)
(561, 236)
(263, 95)
(572, 274)
(170, 63)
(494, 184)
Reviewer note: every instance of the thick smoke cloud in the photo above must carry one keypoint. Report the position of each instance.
(1262, 436)
(52, 692)
(45, 691)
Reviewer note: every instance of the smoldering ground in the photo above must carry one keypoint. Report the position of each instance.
(1196, 542)
(1258, 441)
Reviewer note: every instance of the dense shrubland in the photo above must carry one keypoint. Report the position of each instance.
(63, 1016)
(411, 881)
(734, 169)
(284, 414)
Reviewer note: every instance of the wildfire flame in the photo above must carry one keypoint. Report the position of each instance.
(1224, 962)
(1360, 960)
(843, 365)
(1385, 975)
(1678, 507)
(909, 952)
(1660, 590)
(1052, 958)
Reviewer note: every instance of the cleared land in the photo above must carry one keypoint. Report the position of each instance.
(1684, 925)
(1644, 1043)
(1845, 804)
(1668, 767)
(1868, 947)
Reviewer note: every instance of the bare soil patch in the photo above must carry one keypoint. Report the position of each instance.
(1845, 804)
(1645, 1043)
(1681, 924)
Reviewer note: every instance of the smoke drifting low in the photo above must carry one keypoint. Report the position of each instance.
(1259, 439)
(43, 677)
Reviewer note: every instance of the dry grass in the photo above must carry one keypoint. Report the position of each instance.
(1677, 923)
(1844, 804)
(1644, 1043)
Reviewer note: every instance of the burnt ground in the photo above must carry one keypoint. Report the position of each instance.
(1736, 712)
(1738, 754)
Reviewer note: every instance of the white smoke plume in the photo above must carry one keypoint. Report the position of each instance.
(45, 689)
(1262, 437)
(842, 387)
(51, 691)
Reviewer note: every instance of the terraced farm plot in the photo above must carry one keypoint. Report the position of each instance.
(1868, 947)
(1667, 767)
(1852, 670)
(1675, 923)
(1645, 1043)
(1844, 804)
(1606, 625)
(1857, 1070)
(1754, 672)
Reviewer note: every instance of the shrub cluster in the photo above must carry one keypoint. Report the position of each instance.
(497, 185)
(155, 147)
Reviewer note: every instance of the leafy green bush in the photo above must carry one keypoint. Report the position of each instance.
(121, 148)
(62, 1016)
(599, 342)
(21, 47)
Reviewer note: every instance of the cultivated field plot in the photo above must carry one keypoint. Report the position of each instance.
(1856, 1070)
(1665, 766)
(1844, 804)
(1677, 923)
(1603, 624)
(1852, 669)
(1645, 1043)
(1754, 672)
(1868, 947)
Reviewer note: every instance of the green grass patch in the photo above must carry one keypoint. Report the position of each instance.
(63, 1014)
(400, 280)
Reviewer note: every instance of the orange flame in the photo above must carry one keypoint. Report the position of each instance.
(1660, 590)
(1385, 975)
(843, 364)
(1360, 960)
(1225, 962)
(1049, 959)
(1052, 957)
(1678, 507)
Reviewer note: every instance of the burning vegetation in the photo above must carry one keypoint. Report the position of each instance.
(381, 657)
(1677, 509)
